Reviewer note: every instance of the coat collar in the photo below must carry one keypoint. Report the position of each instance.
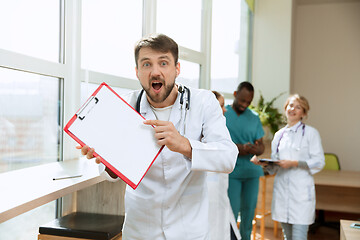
(295, 127)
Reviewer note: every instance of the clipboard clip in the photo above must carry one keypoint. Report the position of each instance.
(90, 104)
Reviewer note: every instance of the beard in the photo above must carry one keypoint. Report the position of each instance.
(159, 98)
(238, 109)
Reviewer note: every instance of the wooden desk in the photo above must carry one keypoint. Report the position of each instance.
(338, 191)
(348, 233)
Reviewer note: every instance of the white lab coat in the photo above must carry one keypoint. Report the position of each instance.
(294, 190)
(221, 216)
(171, 202)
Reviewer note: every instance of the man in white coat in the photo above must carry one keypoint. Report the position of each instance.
(171, 202)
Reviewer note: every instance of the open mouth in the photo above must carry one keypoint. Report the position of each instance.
(156, 86)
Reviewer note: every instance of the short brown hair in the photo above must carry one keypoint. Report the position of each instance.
(302, 101)
(158, 42)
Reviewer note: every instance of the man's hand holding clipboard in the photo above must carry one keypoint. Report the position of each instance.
(89, 152)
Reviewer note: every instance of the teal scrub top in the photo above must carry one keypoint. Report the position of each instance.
(243, 129)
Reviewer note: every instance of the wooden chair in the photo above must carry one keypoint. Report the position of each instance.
(261, 212)
(332, 162)
(83, 226)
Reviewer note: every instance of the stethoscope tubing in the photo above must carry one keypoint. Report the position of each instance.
(182, 90)
(282, 134)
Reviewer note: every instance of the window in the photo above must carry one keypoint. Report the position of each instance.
(229, 48)
(30, 101)
(110, 30)
(29, 119)
(182, 22)
(26, 225)
(89, 88)
(31, 28)
(189, 74)
(36, 95)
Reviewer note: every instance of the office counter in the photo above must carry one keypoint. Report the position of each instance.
(25, 189)
(338, 191)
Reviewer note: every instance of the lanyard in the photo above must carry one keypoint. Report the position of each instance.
(282, 134)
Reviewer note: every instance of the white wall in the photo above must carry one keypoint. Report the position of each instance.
(327, 71)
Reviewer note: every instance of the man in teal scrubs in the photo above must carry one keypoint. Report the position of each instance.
(246, 132)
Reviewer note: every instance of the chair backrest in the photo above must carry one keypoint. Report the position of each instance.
(331, 162)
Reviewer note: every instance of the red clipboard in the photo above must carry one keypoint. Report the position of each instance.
(107, 123)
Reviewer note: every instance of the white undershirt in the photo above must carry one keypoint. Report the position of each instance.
(162, 114)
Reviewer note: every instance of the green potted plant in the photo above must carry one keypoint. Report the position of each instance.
(270, 116)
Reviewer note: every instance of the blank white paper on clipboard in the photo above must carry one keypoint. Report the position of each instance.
(116, 131)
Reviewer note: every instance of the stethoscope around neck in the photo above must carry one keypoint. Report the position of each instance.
(182, 89)
(302, 125)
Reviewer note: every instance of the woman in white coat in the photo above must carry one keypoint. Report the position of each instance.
(298, 153)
